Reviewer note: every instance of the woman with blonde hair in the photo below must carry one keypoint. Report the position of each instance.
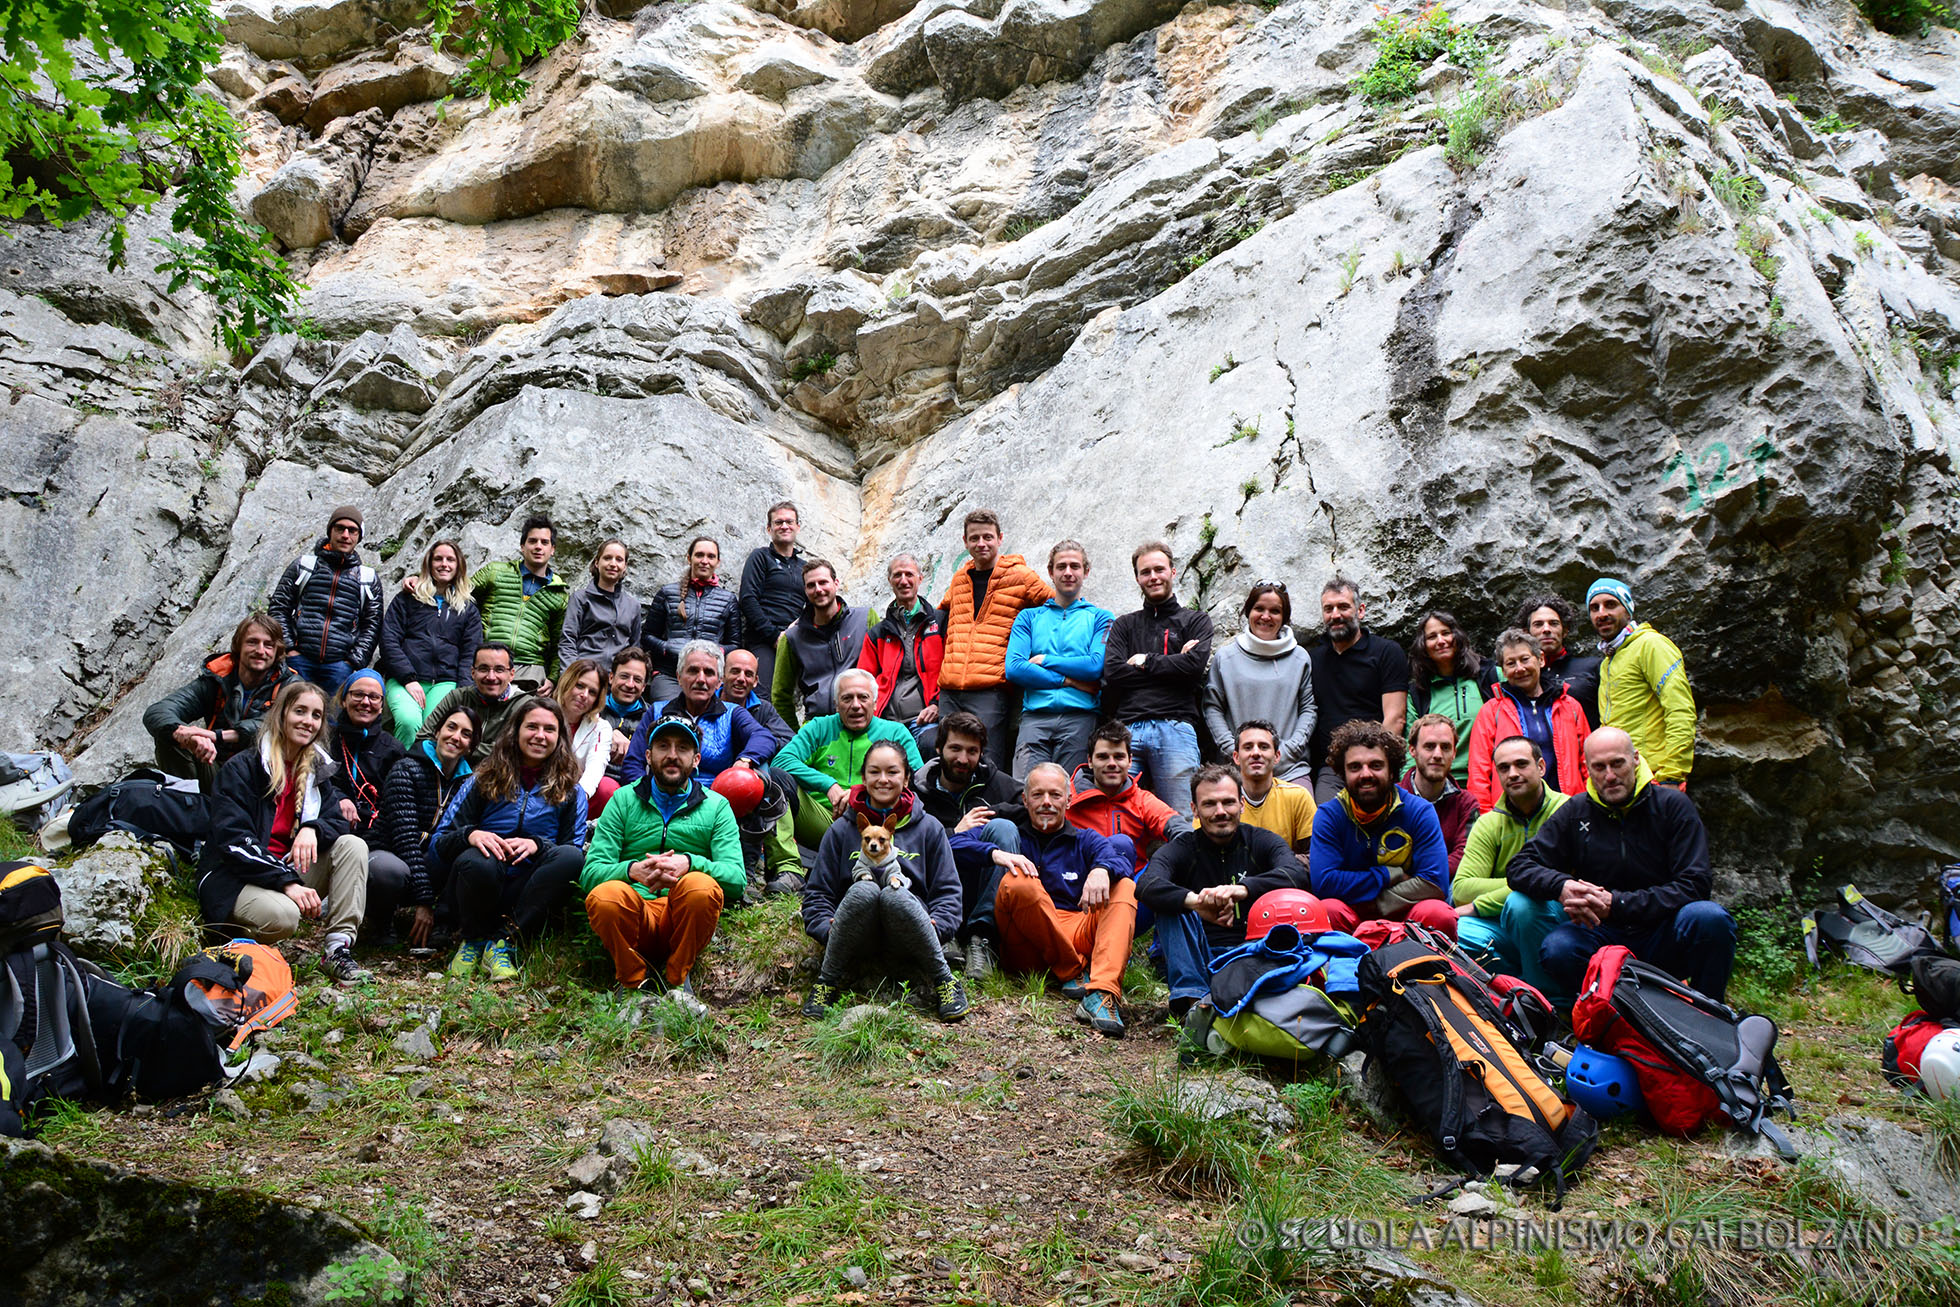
(278, 838)
(513, 839)
(582, 695)
(428, 637)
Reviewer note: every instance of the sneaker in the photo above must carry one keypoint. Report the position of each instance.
(1099, 1010)
(338, 964)
(788, 882)
(467, 959)
(1073, 990)
(497, 956)
(1195, 1041)
(681, 995)
(955, 954)
(821, 998)
(980, 960)
(952, 999)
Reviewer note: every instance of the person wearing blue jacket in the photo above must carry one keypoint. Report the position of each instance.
(1067, 902)
(728, 732)
(1055, 654)
(1378, 850)
(514, 839)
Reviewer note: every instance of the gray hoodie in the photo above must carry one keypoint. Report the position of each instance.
(1243, 685)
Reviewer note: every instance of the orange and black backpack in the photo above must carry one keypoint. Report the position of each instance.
(1462, 1073)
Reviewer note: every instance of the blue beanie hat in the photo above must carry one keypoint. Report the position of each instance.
(367, 672)
(1611, 585)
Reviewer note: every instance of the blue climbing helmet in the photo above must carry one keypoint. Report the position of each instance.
(1602, 1084)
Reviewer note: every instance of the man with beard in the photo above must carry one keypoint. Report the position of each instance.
(199, 725)
(664, 856)
(1552, 621)
(1357, 676)
(330, 604)
(977, 804)
(1271, 803)
(1154, 671)
(1200, 884)
(824, 641)
(1643, 685)
(1627, 862)
(1431, 775)
(489, 695)
(1066, 903)
(1378, 851)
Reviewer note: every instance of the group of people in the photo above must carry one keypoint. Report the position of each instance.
(1012, 777)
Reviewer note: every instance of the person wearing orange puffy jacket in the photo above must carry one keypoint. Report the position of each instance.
(977, 615)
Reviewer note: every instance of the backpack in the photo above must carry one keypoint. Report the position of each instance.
(148, 805)
(1265, 1000)
(1529, 1015)
(47, 1044)
(1865, 935)
(1461, 1072)
(1697, 1060)
(1934, 979)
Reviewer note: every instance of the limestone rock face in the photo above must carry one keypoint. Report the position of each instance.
(1683, 308)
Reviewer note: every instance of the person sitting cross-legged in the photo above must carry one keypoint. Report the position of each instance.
(1200, 883)
(665, 855)
(1627, 862)
(884, 898)
(513, 839)
(1378, 850)
(1480, 888)
(1066, 903)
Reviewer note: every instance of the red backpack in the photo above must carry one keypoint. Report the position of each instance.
(1697, 1060)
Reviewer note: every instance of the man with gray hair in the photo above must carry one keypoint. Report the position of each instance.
(826, 756)
(904, 652)
(730, 735)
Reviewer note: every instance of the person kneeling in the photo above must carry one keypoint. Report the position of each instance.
(514, 839)
(665, 855)
(279, 837)
(884, 896)
(1066, 902)
(1627, 862)
(1378, 850)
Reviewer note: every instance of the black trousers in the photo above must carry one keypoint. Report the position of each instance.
(495, 900)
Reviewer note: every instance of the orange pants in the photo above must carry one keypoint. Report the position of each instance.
(1037, 935)
(638, 930)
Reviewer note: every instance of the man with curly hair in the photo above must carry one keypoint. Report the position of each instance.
(1378, 850)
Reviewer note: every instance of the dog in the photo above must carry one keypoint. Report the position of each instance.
(877, 858)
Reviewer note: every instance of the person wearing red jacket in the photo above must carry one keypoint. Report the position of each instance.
(1106, 799)
(1526, 704)
(904, 652)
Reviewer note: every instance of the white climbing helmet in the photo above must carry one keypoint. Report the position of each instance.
(1939, 1066)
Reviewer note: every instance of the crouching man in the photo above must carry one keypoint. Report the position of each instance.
(1627, 863)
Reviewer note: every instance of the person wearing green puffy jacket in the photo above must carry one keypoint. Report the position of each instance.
(1480, 890)
(826, 757)
(1643, 684)
(523, 604)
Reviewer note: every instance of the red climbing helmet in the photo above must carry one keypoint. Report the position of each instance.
(1294, 907)
(742, 787)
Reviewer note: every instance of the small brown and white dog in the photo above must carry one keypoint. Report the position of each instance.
(877, 858)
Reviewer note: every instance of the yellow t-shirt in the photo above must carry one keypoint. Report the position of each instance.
(1287, 812)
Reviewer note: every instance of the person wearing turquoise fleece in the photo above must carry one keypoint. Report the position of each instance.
(664, 857)
(826, 757)
(1055, 655)
(1643, 684)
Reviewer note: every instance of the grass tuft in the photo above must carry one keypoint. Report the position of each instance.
(1194, 1155)
(874, 1035)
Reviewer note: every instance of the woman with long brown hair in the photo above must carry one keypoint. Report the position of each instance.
(514, 839)
(278, 838)
(602, 616)
(1447, 677)
(697, 607)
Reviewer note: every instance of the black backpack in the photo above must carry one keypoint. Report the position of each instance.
(1461, 1071)
(147, 806)
(1865, 935)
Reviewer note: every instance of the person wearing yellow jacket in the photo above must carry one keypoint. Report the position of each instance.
(1643, 683)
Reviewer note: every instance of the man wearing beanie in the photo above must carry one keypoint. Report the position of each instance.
(329, 603)
(1643, 685)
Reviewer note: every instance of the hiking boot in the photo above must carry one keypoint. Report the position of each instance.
(1099, 1010)
(980, 960)
(823, 996)
(497, 958)
(1073, 990)
(1195, 1042)
(338, 965)
(952, 999)
(788, 882)
(681, 995)
(468, 957)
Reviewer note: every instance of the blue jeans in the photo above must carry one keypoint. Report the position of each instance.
(1698, 943)
(1188, 952)
(1163, 756)
(328, 676)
